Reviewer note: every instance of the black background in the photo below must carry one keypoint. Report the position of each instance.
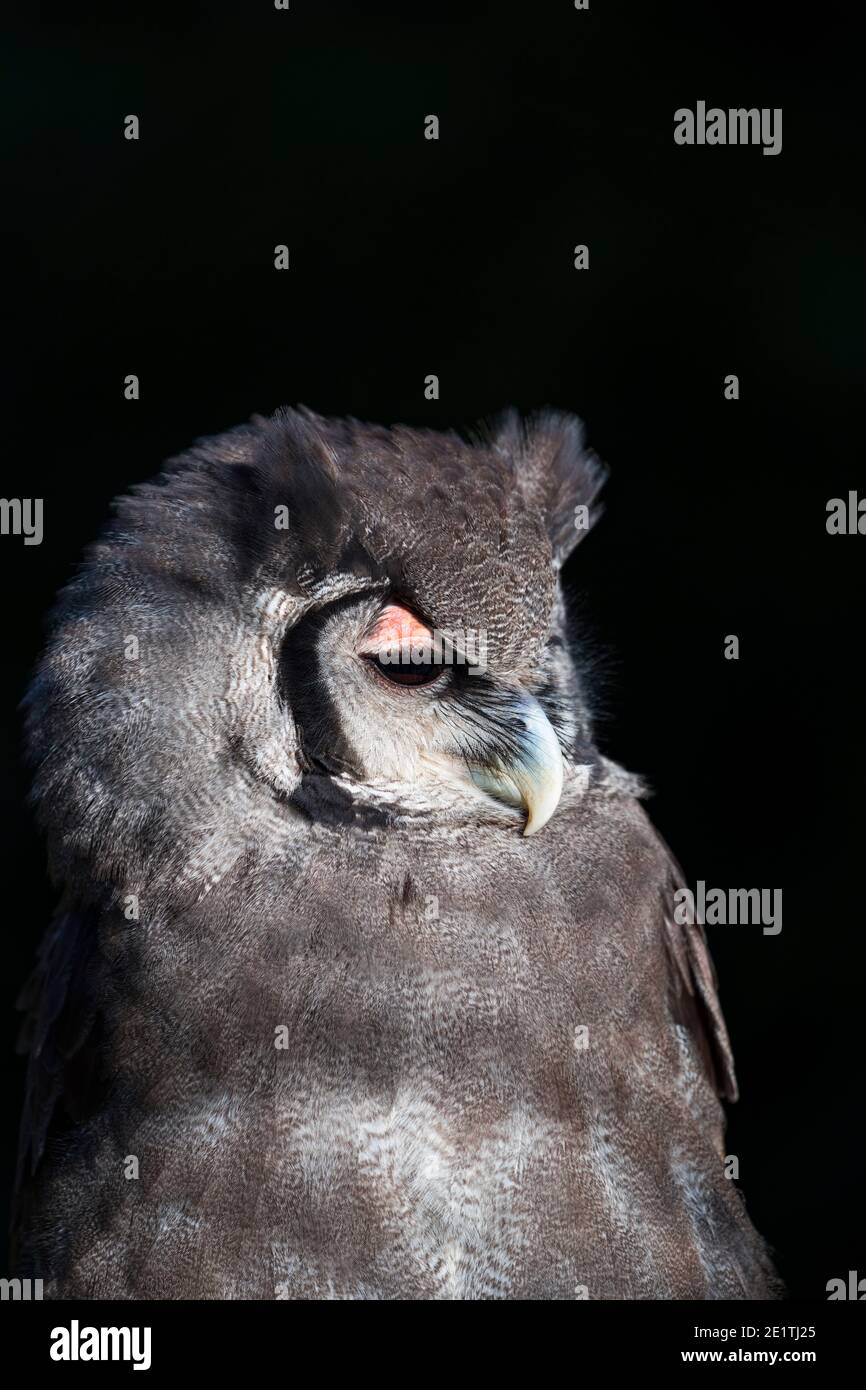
(411, 257)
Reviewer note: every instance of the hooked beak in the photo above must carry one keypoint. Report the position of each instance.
(531, 776)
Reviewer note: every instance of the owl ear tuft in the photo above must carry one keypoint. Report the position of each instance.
(555, 472)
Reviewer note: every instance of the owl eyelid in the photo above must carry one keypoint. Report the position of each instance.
(395, 625)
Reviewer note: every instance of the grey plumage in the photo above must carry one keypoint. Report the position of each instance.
(308, 972)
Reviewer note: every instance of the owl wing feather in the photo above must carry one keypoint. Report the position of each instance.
(694, 989)
(60, 1033)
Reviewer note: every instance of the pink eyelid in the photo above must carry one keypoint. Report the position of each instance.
(395, 626)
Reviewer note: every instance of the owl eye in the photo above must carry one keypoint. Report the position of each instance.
(402, 673)
(401, 649)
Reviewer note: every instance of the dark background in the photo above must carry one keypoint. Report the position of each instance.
(410, 257)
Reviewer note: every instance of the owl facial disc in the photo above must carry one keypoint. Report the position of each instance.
(412, 708)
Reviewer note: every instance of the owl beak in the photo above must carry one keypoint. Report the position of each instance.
(530, 777)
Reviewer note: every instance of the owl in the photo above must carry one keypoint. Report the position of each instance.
(366, 980)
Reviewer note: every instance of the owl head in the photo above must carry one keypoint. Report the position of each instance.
(311, 620)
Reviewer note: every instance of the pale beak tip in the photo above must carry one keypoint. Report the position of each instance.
(540, 811)
(533, 777)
